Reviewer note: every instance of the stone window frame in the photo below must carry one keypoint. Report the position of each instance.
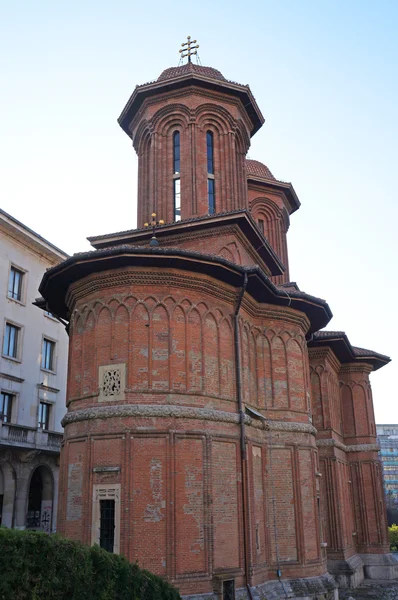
(13, 403)
(105, 491)
(24, 282)
(53, 369)
(20, 327)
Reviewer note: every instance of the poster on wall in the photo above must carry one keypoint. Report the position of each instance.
(45, 516)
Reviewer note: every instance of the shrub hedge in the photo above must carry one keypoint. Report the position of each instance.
(393, 535)
(37, 566)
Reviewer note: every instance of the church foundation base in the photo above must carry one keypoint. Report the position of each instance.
(380, 566)
(348, 573)
(311, 588)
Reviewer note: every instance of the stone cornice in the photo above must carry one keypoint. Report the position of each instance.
(47, 388)
(168, 241)
(356, 368)
(11, 378)
(269, 311)
(215, 96)
(91, 284)
(353, 448)
(325, 354)
(180, 412)
(138, 276)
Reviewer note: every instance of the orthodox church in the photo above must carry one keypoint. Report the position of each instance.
(215, 433)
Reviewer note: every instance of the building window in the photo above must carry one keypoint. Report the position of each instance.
(10, 343)
(176, 152)
(47, 355)
(44, 415)
(6, 406)
(177, 200)
(105, 530)
(210, 153)
(211, 194)
(176, 176)
(107, 525)
(261, 226)
(15, 284)
(228, 589)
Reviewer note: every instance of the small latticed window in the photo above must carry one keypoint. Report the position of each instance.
(107, 525)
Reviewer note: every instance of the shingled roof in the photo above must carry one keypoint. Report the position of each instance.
(173, 72)
(341, 346)
(258, 169)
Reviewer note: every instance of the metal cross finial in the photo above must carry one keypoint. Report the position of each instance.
(189, 50)
(153, 223)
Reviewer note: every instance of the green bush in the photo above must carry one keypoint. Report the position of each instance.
(393, 535)
(37, 566)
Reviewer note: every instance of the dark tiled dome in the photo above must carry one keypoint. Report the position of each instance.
(258, 169)
(190, 68)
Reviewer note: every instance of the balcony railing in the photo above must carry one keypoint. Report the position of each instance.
(28, 437)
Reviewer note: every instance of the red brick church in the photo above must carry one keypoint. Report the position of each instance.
(214, 432)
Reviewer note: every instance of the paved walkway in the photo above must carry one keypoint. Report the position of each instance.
(372, 590)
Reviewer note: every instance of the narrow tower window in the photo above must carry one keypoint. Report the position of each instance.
(211, 194)
(176, 176)
(107, 524)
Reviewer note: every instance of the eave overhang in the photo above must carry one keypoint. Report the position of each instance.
(242, 92)
(345, 352)
(280, 186)
(241, 218)
(56, 281)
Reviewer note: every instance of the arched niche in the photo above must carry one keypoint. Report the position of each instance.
(7, 495)
(39, 514)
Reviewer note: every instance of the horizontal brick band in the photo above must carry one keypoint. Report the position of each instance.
(180, 412)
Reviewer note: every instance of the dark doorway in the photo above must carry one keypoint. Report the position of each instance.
(39, 515)
(34, 502)
(107, 524)
(228, 590)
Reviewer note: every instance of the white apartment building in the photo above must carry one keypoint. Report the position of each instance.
(33, 366)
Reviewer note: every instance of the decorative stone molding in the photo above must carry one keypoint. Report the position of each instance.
(363, 448)
(180, 412)
(291, 426)
(353, 448)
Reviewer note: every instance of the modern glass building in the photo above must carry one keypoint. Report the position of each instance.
(387, 436)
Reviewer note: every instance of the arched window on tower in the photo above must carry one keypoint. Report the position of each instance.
(211, 192)
(176, 176)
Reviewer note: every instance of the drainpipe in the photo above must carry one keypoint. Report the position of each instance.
(242, 435)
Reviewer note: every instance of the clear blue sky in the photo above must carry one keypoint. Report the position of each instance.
(324, 74)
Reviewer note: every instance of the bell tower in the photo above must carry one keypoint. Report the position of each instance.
(191, 129)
